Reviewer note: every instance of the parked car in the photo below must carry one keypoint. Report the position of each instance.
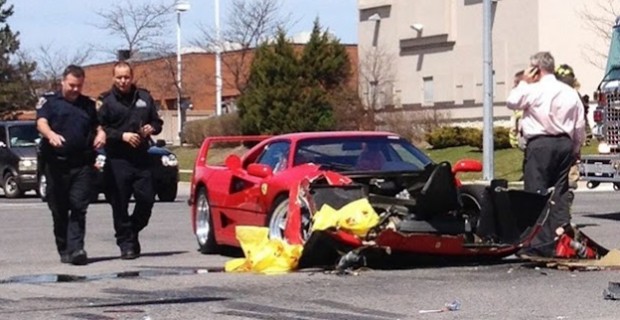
(18, 157)
(164, 170)
(255, 189)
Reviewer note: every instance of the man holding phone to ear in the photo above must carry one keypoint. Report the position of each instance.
(553, 125)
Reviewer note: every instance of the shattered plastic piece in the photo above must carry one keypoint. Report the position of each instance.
(348, 261)
(453, 306)
(612, 292)
(449, 306)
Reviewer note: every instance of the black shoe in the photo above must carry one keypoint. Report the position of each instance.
(129, 254)
(79, 258)
(137, 249)
(65, 258)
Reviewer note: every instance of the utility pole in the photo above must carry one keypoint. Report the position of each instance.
(180, 6)
(218, 61)
(487, 70)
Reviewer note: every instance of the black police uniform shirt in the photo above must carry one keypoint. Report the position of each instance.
(129, 112)
(75, 121)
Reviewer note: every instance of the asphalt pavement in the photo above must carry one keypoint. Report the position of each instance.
(171, 280)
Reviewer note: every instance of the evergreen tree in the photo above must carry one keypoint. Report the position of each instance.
(272, 89)
(15, 79)
(325, 60)
(288, 90)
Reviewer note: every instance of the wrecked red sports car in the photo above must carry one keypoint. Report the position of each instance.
(254, 189)
(423, 208)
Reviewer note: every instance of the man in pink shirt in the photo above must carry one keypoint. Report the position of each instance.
(554, 127)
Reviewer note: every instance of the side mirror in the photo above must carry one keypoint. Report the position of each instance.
(160, 143)
(260, 170)
(233, 162)
(467, 165)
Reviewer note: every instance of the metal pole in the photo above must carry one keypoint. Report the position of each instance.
(218, 61)
(487, 70)
(179, 117)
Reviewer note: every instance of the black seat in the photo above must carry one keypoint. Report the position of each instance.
(439, 194)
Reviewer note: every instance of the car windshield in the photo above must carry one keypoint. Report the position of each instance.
(388, 153)
(23, 135)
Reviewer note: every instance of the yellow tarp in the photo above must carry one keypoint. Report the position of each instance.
(356, 217)
(263, 255)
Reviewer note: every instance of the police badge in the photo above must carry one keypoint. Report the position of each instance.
(40, 103)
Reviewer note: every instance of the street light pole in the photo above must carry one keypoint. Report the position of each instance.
(181, 6)
(487, 103)
(218, 61)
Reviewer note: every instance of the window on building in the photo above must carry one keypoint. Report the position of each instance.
(171, 104)
(428, 88)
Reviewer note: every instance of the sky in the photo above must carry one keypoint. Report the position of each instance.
(69, 24)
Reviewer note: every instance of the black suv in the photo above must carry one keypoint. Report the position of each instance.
(18, 157)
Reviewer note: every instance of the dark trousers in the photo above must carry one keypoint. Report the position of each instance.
(68, 195)
(123, 179)
(548, 161)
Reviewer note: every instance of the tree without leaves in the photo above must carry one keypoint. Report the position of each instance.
(15, 79)
(142, 27)
(52, 62)
(599, 18)
(377, 77)
(250, 24)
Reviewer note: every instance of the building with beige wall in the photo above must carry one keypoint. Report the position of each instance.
(435, 48)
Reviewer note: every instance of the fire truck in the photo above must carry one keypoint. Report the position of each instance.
(605, 166)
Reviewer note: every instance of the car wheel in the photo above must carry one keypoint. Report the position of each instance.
(11, 187)
(472, 197)
(42, 188)
(279, 217)
(277, 220)
(167, 193)
(205, 233)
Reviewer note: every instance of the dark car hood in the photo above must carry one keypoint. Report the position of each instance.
(25, 152)
(154, 150)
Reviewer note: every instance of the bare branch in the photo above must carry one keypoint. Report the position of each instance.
(377, 77)
(141, 26)
(250, 24)
(51, 62)
(599, 17)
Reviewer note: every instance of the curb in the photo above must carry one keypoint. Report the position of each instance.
(581, 185)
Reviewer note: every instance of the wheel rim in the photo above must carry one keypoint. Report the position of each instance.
(472, 209)
(10, 186)
(279, 218)
(203, 216)
(42, 186)
(277, 224)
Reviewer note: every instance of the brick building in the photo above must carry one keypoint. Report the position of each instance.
(198, 72)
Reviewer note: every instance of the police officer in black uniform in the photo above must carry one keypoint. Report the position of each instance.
(129, 117)
(67, 120)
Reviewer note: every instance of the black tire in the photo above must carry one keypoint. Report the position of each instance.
(167, 193)
(11, 187)
(616, 186)
(94, 198)
(205, 233)
(592, 184)
(472, 198)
